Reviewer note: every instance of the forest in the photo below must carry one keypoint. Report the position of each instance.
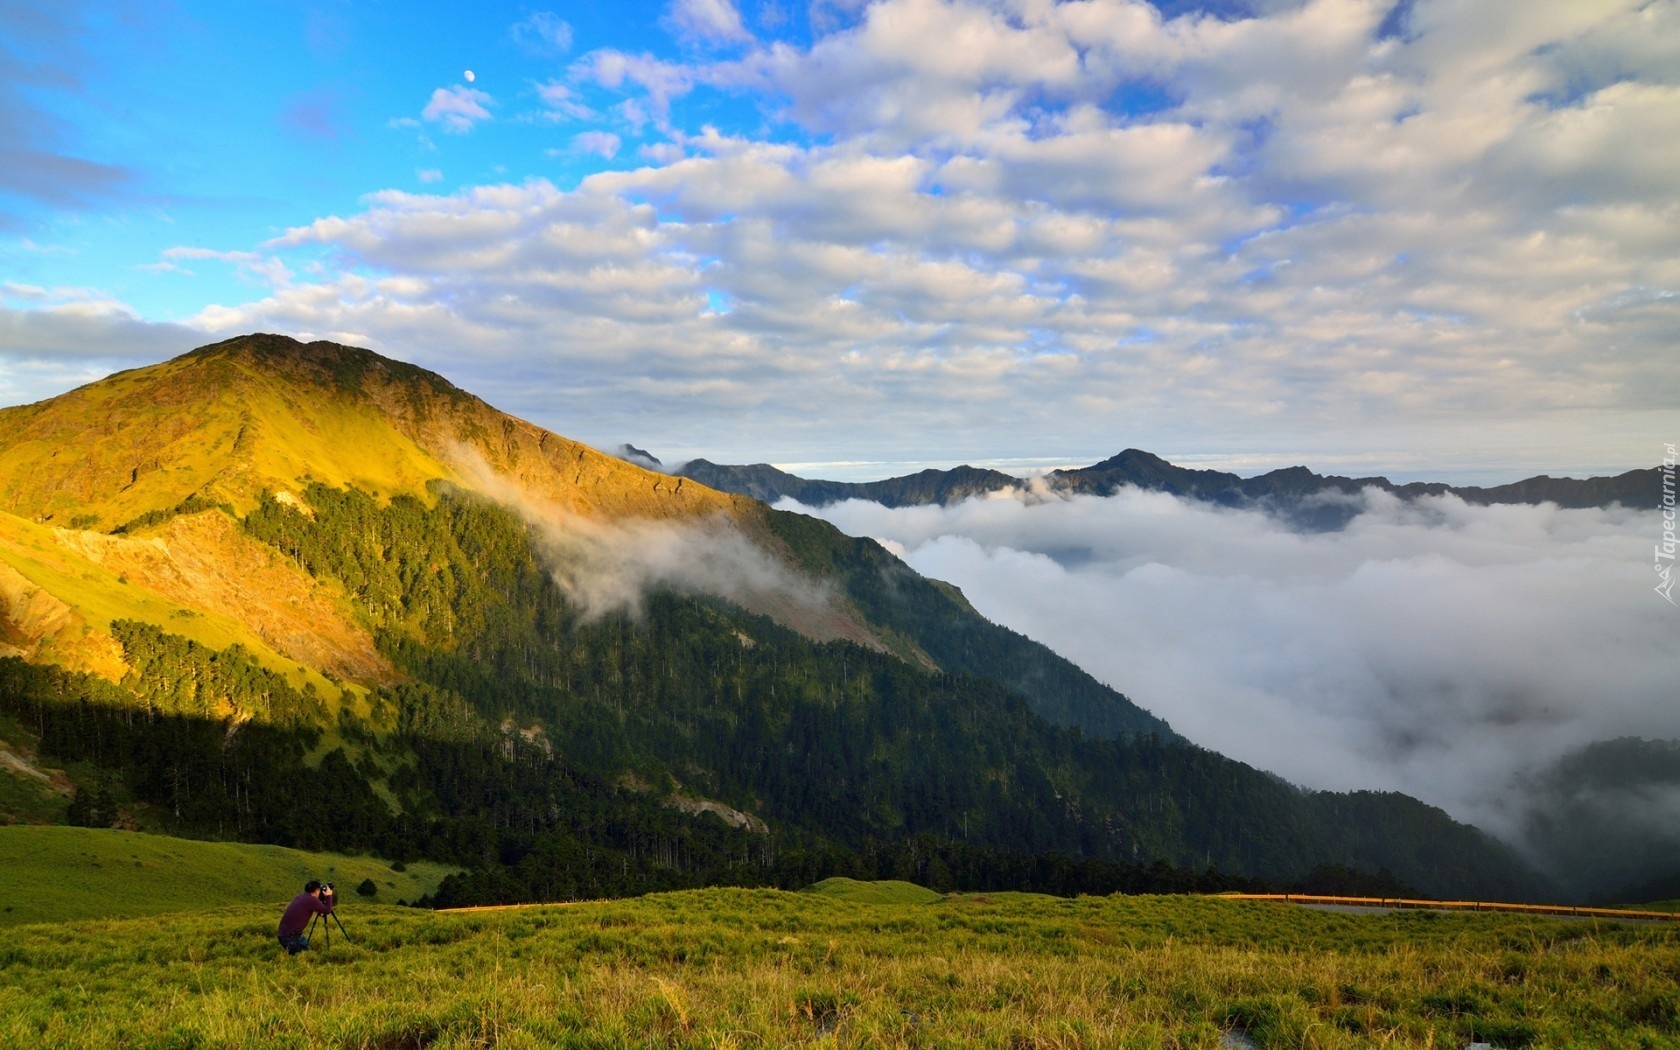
(552, 755)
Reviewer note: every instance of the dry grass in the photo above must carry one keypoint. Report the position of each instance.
(727, 968)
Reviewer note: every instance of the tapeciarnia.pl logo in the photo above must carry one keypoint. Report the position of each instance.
(1665, 550)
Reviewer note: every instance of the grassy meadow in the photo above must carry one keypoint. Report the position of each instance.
(51, 874)
(763, 968)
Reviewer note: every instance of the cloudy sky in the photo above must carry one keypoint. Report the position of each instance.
(1430, 239)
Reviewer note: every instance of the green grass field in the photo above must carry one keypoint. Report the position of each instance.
(50, 874)
(886, 891)
(762, 968)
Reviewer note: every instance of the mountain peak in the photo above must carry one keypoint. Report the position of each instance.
(1135, 457)
(224, 422)
(349, 369)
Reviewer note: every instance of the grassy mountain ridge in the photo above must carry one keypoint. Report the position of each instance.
(227, 423)
(313, 574)
(230, 420)
(198, 576)
(219, 427)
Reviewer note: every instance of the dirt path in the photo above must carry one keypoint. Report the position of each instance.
(1372, 905)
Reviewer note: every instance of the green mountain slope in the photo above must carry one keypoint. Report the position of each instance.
(471, 640)
(56, 874)
(1603, 816)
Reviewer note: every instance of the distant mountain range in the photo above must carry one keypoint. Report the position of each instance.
(1307, 499)
(764, 482)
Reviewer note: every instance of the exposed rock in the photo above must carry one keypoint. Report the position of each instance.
(731, 816)
(27, 613)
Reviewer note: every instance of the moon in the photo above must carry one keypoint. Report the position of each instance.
(470, 77)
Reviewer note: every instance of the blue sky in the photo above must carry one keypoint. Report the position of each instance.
(1426, 239)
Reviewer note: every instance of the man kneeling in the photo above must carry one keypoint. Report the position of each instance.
(314, 900)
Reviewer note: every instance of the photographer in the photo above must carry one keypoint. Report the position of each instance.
(315, 899)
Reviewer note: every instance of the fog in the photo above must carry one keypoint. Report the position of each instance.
(1444, 650)
(606, 567)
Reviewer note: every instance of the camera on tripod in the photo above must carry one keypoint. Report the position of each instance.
(329, 918)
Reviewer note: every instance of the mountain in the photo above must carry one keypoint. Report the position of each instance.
(1328, 502)
(84, 475)
(226, 422)
(764, 482)
(1310, 500)
(303, 594)
(1603, 815)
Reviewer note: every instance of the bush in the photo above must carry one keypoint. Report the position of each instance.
(367, 888)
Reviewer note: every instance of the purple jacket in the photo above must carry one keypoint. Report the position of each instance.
(298, 913)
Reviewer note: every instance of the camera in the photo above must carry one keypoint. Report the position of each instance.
(326, 887)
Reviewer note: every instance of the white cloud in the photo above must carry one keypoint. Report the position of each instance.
(707, 21)
(457, 108)
(542, 33)
(252, 266)
(560, 102)
(661, 80)
(601, 143)
(1434, 648)
(53, 339)
(1306, 242)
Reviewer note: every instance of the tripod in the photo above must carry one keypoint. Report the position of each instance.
(326, 922)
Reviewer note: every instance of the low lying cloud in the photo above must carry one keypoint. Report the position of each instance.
(1436, 648)
(611, 567)
(607, 567)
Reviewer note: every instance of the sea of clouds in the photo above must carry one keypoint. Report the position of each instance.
(1445, 650)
